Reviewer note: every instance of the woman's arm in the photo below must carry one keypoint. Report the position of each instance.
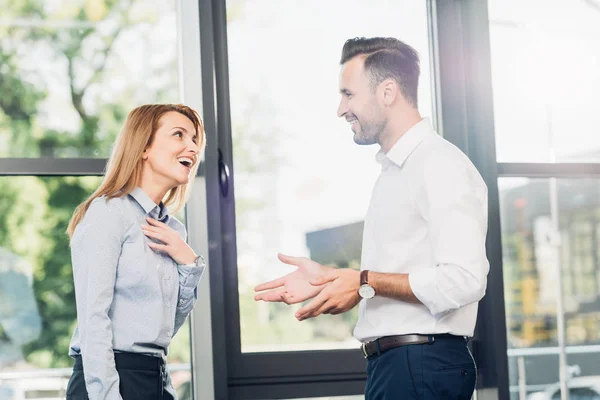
(189, 266)
(95, 250)
(189, 277)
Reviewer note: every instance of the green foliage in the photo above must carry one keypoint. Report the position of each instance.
(55, 290)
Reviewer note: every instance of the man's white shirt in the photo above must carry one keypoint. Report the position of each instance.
(427, 218)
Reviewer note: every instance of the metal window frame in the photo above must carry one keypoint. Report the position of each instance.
(467, 107)
(52, 166)
(240, 375)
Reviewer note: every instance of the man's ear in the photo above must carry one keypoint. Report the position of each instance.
(390, 91)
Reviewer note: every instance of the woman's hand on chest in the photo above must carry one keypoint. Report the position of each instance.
(171, 242)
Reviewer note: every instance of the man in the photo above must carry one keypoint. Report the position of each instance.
(423, 267)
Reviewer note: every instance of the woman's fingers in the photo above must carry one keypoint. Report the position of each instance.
(159, 247)
(154, 222)
(155, 235)
(151, 228)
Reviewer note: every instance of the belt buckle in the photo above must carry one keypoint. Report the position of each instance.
(363, 348)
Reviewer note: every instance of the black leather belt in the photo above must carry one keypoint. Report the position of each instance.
(382, 344)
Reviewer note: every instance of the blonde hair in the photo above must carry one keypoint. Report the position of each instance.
(124, 167)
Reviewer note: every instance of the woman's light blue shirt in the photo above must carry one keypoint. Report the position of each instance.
(129, 297)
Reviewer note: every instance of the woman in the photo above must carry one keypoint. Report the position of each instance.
(135, 276)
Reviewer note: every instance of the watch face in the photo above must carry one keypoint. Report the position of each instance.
(366, 291)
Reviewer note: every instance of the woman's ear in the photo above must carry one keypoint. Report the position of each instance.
(145, 155)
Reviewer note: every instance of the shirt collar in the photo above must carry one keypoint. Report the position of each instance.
(159, 212)
(406, 144)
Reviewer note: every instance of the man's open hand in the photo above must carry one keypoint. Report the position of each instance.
(294, 287)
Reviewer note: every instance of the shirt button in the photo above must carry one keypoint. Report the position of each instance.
(181, 302)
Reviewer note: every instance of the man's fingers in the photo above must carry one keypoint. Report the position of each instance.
(327, 277)
(323, 309)
(326, 308)
(270, 285)
(311, 307)
(271, 296)
(290, 260)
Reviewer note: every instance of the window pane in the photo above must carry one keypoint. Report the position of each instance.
(303, 186)
(71, 71)
(37, 297)
(533, 253)
(545, 62)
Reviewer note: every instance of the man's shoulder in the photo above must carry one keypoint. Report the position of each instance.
(439, 158)
(437, 150)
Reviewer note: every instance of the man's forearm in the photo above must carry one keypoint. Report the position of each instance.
(395, 286)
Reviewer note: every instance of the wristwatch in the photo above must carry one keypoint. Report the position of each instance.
(365, 290)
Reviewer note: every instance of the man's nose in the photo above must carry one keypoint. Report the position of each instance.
(342, 109)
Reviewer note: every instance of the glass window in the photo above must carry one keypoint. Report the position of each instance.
(70, 72)
(533, 255)
(579, 394)
(37, 297)
(545, 62)
(302, 185)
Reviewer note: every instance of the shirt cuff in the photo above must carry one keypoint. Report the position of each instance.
(190, 274)
(423, 284)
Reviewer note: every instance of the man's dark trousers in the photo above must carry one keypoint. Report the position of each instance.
(440, 369)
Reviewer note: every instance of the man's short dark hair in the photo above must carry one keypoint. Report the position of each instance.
(387, 58)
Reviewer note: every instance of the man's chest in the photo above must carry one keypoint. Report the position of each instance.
(393, 209)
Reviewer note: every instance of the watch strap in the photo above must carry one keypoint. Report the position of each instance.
(364, 277)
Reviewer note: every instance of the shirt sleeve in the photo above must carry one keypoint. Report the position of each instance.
(453, 201)
(189, 278)
(95, 250)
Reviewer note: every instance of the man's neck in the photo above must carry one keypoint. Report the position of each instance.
(398, 126)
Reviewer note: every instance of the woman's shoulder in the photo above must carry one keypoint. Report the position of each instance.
(103, 217)
(103, 204)
(115, 210)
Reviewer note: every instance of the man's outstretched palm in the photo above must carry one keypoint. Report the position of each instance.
(294, 287)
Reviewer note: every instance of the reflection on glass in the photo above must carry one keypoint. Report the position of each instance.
(545, 61)
(37, 297)
(70, 72)
(302, 185)
(531, 253)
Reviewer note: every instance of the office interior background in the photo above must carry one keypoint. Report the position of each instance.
(513, 83)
